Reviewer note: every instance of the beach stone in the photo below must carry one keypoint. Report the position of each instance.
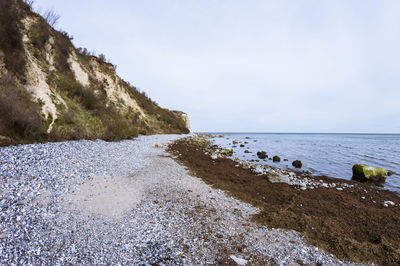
(258, 169)
(262, 154)
(276, 158)
(386, 203)
(297, 164)
(277, 178)
(214, 147)
(227, 152)
(239, 261)
(365, 173)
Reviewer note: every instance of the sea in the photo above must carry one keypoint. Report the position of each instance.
(331, 155)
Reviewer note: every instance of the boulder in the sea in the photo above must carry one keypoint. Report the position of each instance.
(241, 146)
(365, 173)
(297, 164)
(247, 151)
(390, 173)
(276, 158)
(262, 154)
(227, 152)
(235, 142)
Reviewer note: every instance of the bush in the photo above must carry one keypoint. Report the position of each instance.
(102, 57)
(68, 117)
(19, 115)
(39, 34)
(11, 38)
(63, 47)
(74, 90)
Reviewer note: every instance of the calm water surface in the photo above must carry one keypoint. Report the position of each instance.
(323, 154)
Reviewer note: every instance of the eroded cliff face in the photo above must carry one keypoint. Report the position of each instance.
(69, 93)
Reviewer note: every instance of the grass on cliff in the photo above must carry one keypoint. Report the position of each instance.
(89, 116)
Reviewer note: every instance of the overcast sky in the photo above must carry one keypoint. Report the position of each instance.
(252, 66)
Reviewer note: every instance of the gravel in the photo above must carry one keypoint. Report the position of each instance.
(61, 204)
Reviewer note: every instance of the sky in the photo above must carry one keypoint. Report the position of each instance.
(252, 66)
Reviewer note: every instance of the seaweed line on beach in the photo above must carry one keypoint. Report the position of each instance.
(351, 223)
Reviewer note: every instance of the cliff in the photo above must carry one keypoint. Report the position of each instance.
(51, 91)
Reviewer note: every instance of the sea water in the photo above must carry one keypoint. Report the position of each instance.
(331, 155)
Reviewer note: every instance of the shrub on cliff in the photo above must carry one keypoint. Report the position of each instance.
(19, 115)
(11, 38)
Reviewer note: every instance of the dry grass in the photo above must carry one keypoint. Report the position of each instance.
(19, 115)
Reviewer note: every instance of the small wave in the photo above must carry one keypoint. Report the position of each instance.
(372, 157)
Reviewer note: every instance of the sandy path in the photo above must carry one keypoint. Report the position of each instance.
(170, 216)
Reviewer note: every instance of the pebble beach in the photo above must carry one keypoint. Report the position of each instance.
(128, 202)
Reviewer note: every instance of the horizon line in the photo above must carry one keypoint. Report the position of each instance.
(260, 132)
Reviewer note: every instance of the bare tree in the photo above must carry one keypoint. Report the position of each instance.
(29, 3)
(51, 17)
(102, 57)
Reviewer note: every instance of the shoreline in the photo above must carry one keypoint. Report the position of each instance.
(321, 156)
(349, 219)
(129, 202)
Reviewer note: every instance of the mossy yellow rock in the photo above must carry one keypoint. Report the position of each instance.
(363, 173)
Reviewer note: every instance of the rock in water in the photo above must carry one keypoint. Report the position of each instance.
(365, 173)
(297, 164)
(276, 159)
(262, 154)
